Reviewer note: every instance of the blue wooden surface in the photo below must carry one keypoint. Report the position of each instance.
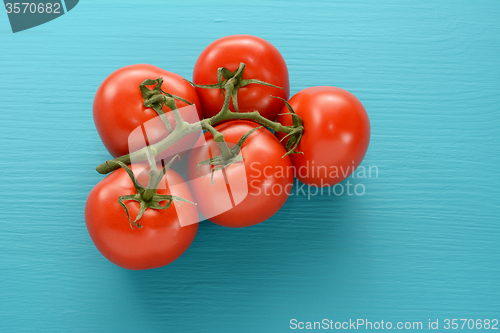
(422, 243)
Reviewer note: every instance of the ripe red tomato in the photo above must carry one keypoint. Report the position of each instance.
(263, 62)
(336, 134)
(160, 241)
(245, 193)
(118, 109)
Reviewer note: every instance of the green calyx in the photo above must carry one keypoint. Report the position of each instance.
(295, 135)
(147, 196)
(224, 76)
(156, 98)
(227, 156)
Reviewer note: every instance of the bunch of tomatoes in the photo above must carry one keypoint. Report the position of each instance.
(243, 138)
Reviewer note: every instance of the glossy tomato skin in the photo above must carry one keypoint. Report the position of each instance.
(118, 109)
(159, 242)
(263, 62)
(336, 134)
(259, 186)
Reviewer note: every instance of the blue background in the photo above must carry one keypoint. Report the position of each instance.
(422, 243)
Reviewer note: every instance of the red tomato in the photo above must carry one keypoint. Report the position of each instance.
(336, 134)
(263, 62)
(245, 193)
(118, 110)
(160, 241)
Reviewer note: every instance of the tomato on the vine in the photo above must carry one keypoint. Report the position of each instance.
(245, 193)
(335, 138)
(161, 239)
(263, 62)
(119, 109)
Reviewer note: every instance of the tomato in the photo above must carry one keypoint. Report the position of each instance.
(335, 138)
(160, 241)
(263, 62)
(245, 193)
(118, 110)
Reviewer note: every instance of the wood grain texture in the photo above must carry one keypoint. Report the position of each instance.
(422, 243)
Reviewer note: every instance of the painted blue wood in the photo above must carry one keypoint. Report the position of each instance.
(420, 244)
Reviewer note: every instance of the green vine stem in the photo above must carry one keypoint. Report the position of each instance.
(184, 128)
